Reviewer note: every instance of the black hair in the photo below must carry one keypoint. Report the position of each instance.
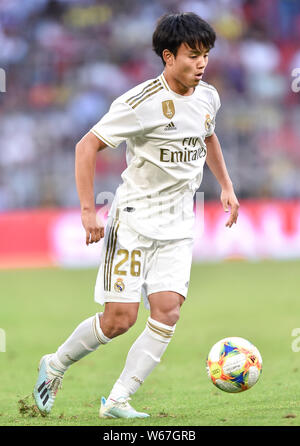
(174, 29)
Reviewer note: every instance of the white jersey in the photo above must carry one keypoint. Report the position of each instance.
(165, 134)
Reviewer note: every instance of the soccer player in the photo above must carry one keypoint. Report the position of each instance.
(168, 124)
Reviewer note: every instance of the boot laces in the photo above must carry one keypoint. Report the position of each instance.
(54, 384)
(124, 403)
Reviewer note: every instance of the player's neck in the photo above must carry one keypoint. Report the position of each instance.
(176, 86)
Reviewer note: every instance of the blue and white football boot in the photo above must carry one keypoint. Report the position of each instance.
(48, 382)
(119, 409)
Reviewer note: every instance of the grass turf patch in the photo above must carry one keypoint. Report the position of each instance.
(257, 301)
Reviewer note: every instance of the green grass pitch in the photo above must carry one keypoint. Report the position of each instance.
(257, 301)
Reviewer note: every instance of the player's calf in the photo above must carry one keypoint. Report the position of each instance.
(86, 338)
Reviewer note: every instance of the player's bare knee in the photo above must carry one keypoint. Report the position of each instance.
(118, 330)
(125, 319)
(111, 329)
(117, 325)
(118, 318)
(169, 317)
(173, 316)
(121, 325)
(131, 320)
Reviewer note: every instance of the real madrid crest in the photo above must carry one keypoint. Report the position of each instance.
(208, 123)
(119, 285)
(168, 108)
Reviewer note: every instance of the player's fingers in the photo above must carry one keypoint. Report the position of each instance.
(225, 205)
(229, 222)
(235, 212)
(95, 234)
(90, 236)
(87, 236)
(233, 215)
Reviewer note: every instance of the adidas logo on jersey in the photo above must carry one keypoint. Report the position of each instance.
(170, 126)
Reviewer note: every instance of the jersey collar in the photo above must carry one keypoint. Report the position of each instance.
(176, 95)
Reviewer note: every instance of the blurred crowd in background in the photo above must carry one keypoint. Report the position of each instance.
(67, 60)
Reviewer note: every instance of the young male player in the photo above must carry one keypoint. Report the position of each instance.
(168, 124)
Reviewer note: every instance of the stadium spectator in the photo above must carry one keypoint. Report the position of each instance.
(66, 60)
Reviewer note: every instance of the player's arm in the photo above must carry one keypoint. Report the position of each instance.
(85, 163)
(216, 164)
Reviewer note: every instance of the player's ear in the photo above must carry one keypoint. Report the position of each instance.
(168, 57)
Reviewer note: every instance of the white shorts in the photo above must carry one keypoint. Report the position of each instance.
(133, 266)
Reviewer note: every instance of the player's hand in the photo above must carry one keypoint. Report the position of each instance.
(94, 227)
(229, 200)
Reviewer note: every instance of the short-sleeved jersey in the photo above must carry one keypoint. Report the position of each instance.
(165, 135)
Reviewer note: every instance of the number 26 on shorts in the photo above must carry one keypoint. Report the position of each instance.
(135, 264)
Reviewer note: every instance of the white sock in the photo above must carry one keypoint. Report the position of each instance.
(143, 356)
(85, 339)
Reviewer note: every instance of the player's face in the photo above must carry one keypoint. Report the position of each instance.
(188, 66)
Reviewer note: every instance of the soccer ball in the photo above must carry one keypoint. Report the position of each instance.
(234, 364)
